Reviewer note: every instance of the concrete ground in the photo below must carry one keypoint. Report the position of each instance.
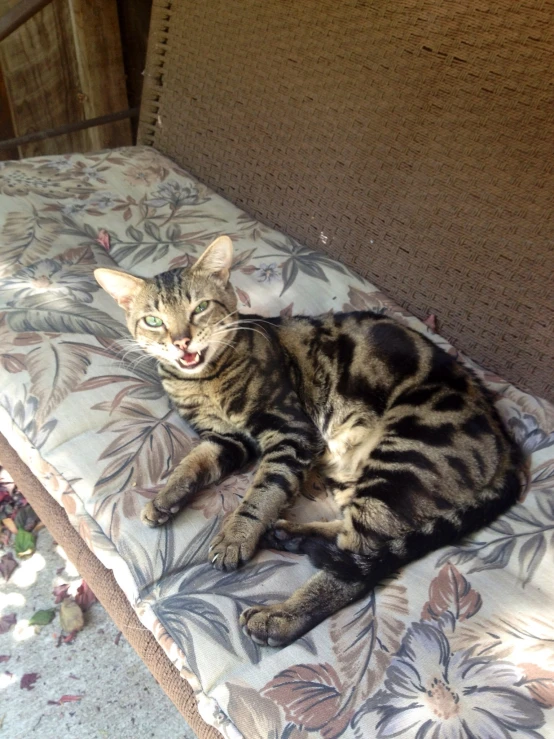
(112, 695)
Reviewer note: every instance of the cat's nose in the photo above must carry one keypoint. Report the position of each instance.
(183, 343)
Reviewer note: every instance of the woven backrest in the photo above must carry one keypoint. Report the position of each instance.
(413, 140)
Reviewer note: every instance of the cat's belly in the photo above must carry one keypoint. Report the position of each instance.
(347, 452)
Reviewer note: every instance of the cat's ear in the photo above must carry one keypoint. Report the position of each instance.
(217, 259)
(120, 285)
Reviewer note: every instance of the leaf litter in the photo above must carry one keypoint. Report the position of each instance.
(42, 618)
(24, 543)
(85, 597)
(19, 525)
(7, 621)
(28, 680)
(7, 565)
(71, 616)
(66, 699)
(60, 592)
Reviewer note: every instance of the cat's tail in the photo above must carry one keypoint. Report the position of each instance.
(371, 568)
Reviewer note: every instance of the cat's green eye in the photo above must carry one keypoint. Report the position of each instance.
(153, 321)
(201, 307)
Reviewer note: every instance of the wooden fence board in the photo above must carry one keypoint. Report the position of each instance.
(62, 66)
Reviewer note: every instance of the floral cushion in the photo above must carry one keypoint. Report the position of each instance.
(460, 644)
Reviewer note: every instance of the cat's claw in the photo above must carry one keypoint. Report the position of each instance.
(230, 549)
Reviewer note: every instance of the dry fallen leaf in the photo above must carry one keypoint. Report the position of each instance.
(26, 518)
(431, 323)
(66, 699)
(7, 565)
(85, 597)
(6, 622)
(9, 523)
(71, 616)
(60, 592)
(28, 680)
(5, 657)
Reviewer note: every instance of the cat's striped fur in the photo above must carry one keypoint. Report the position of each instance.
(408, 440)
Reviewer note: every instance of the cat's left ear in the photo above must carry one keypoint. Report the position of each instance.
(122, 286)
(217, 259)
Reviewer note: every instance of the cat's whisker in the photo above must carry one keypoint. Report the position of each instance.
(223, 343)
(246, 328)
(135, 357)
(231, 324)
(139, 361)
(127, 343)
(214, 338)
(240, 324)
(224, 317)
(220, 332)
(257, 320)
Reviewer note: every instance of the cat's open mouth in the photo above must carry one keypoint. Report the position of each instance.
(190, 361)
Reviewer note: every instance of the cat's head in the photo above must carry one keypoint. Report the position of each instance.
(183, 317)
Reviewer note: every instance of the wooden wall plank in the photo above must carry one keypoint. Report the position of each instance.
(97, 37)
(16, 16)
(6, 125)
(40, 70)
(62, 66)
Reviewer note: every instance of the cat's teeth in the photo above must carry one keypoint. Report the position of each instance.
(197, 358)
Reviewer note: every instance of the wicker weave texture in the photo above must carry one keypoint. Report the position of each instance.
(413, 140)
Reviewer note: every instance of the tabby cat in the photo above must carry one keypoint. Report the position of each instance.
(408, 440)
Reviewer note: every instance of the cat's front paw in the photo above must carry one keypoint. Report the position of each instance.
(155, 515)
(234, 546)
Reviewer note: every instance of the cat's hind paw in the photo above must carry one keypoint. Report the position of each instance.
(273, 626)
(283, 537)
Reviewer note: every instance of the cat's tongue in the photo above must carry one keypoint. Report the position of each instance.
(190, 358)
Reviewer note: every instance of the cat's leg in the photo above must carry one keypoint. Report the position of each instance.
(212, 460)
(268, 495)
(286, 457)
(280, 624)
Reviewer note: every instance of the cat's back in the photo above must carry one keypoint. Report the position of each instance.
(363, 354)
(365, 351)
(363, 366)
(402, 415)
